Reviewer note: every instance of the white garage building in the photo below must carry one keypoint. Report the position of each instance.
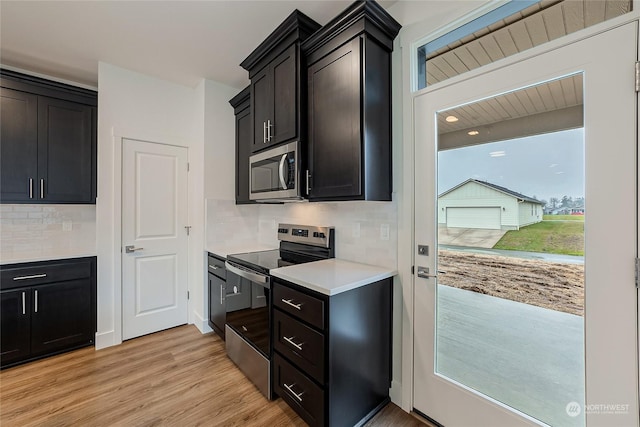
(480, 204)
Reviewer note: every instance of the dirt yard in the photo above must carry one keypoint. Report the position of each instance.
(544, 284)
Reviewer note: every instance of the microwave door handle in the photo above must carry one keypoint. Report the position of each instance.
(281, 170)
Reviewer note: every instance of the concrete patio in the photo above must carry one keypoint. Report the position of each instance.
(526, 357)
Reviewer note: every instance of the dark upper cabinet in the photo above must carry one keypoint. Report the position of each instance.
(48, 141)
(278, 85)
(241, 104)
(349, 105)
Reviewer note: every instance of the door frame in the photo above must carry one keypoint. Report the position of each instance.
(404, 157)
(118, 146)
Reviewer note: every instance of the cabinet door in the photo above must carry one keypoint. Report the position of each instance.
(217, 309)
(61, 316)
(18, 146)
(335, 147)
(260, 108)
(65, 147)
(243, 151)
(15, 306)
(284, 97)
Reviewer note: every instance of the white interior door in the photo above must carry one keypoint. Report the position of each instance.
(606, 63)
(154, 238)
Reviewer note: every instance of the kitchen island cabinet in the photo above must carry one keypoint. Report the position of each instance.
(319, 324)
(47, 308)
(47, 142)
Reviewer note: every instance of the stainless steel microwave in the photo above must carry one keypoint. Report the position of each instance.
(274, 174)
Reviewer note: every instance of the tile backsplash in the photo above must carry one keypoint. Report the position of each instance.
(47, 228)
(365, 231)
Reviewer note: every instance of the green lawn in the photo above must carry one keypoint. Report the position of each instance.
(555, 237)
(563, 218)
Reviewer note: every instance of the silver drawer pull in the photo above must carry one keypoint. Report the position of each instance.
(290, 302)
(36, 302)
(213, 267)
(24, 307)
(34, 276)
(290, 341)
(289, 388)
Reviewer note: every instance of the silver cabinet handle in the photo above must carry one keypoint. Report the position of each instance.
(290, 303)
(290, 341)
(213, 267)
(130, 249)
(308, 181)
(222, 294)
(24, 304)
(42, 188)
(36, 302)
(31, 188)
(281, 171)
(264, 132)
(33, 276)
(269, 126)
(289, 388)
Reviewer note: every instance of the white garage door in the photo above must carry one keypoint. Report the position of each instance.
(485, 218)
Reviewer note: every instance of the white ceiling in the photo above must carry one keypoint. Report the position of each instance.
(178, 41)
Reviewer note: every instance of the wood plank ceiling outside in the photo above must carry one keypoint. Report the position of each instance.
(538, 24)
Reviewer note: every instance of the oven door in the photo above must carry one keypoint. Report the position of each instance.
(274, 174)
(249, 315)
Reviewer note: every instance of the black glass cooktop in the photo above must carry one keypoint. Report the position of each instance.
(262, 261)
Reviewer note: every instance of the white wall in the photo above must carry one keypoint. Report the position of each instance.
(140, 107)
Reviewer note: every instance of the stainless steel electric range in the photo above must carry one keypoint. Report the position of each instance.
(248, 328)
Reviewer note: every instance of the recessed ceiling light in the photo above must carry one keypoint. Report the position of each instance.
(473, 132)
(451, 119)
(500, 153)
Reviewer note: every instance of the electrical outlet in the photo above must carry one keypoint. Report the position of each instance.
(355, 230)
(67, 225)
(384, 231)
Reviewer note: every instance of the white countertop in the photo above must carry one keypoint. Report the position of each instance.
(332, 276)
(43, 255)
(222, 250)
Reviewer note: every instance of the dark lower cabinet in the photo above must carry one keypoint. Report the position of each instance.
(15, 325)
(217, 294)
(47, 308)
(48, 141)
(332, 354)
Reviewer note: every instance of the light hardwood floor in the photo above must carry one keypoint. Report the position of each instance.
(176, 377)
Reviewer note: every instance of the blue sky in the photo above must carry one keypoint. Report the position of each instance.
(545, 166)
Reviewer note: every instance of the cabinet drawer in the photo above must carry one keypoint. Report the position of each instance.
(50, 272)
(305, 397)
(216, 266)
(300, 344)
(301, 305)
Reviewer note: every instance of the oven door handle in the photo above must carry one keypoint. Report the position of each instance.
(258, 278)
(283, 182)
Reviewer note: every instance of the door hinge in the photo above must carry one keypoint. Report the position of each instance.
(637, 272)
(188, 166)
(413, 269)
(638, 76)
(187, 294)
(188, 228)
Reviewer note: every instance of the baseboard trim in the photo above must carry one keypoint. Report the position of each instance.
(105, 339)
(201, 324)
